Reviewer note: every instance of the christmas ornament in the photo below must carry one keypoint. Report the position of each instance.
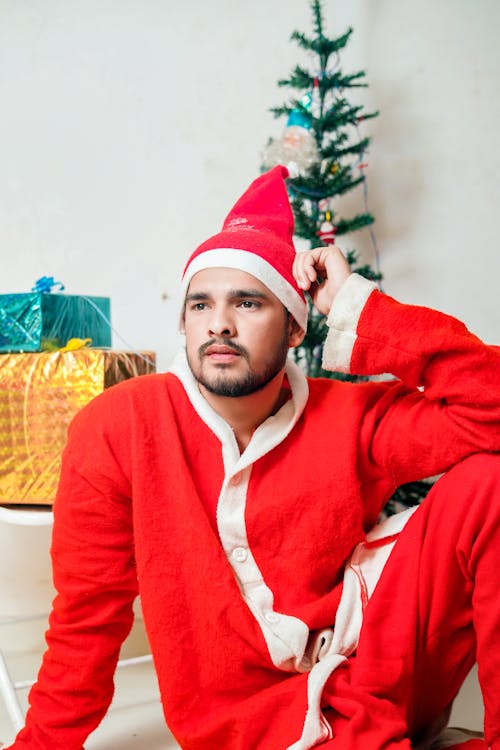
(297, 144)
(327, 230)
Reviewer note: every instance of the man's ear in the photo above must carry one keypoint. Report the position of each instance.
(295, 333)
(182, 322)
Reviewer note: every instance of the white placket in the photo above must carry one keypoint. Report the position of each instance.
(286, 636)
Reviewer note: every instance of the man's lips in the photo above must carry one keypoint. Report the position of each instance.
(221, 353)
(221, 349)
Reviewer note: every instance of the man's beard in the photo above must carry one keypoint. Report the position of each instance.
(234, 386)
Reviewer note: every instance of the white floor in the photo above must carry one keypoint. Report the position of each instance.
(135, 720)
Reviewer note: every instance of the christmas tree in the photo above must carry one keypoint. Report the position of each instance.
(323, 144)
(325, 151)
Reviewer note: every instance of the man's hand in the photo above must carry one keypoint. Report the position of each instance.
(321, 272)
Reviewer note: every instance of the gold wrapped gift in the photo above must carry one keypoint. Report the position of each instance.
(39, 395)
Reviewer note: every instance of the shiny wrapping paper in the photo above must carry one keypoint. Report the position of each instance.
(39, 395)
(33, 321)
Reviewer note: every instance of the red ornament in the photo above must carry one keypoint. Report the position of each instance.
(327, 232)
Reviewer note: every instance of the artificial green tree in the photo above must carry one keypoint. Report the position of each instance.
(322, 138)
(323, 143)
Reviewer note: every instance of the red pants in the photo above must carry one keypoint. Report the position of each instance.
(435, 610)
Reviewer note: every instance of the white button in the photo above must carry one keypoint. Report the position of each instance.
(272, 616)
(236, 479)
(240, 554)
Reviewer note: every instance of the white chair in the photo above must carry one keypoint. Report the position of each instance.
(30, 516)
(19, 516)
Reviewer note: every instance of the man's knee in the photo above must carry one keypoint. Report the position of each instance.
(472, 483)
(483, 468)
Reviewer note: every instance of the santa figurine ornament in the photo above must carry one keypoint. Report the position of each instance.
(297, 145)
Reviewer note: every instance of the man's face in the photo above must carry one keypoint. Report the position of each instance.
(237, 332)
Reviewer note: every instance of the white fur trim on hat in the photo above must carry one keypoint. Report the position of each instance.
(253, 264)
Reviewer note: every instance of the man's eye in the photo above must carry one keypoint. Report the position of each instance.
(199, 306)
(248, 304)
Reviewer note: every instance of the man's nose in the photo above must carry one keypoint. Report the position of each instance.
(221, 322)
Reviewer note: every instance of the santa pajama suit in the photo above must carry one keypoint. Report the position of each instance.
(240, 560)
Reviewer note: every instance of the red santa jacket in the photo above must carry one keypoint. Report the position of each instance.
(239, 558)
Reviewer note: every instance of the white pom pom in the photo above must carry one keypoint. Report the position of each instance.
(293, 169)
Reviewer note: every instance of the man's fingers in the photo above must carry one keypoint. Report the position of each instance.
(308, 272)
(304, 267)
(321, 272)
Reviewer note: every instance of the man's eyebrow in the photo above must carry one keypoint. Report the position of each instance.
(252, 293)
(197, 296)
(230, 294)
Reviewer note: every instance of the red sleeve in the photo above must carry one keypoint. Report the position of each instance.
(94, 575)
(447, 403)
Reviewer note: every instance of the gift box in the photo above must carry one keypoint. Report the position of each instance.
(39, 395)
(33, 321)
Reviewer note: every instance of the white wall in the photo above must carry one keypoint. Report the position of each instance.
(435, 69)
(129, 127)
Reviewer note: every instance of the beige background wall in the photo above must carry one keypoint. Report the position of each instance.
(129, 127)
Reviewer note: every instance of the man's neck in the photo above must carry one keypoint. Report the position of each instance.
(245, 413)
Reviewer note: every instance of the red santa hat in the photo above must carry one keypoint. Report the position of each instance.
(257, 237)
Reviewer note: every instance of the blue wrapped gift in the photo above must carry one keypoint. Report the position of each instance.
(36, 321)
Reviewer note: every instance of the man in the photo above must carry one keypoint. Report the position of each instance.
(237, 498)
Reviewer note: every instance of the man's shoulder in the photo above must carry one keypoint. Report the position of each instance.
(143, 384)
(323, 391)
(138, 395)
(324, 386)
(140, 387)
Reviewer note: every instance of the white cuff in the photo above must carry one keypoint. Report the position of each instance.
(343, 321)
